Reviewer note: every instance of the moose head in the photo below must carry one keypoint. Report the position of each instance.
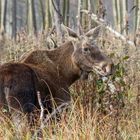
(87, 56)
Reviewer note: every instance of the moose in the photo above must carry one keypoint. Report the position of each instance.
(51, 72)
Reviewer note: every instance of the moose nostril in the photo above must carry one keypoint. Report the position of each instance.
(110, 69)
(104, 66)
(107, 68)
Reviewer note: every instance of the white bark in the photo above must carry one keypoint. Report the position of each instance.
(57, 20)
(117, 34)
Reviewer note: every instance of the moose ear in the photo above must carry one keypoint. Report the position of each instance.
(70, 32)
(94, 33)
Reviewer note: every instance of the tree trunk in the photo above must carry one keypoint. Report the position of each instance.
(48, 14)
(131, 15)
(109, 16)
(78, 17)
(3, 14)
(14, 19)
(31, 22)
(21, 15)
(58, 20)
(138, 17)
(73, 8)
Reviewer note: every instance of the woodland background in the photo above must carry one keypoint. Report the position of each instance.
(36, 15)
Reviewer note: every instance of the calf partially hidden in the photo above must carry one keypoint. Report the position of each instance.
(51, 73)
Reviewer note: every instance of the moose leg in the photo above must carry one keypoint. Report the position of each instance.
(60, 102)
(61, 96)
(20, 104)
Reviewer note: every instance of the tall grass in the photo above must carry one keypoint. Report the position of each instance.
(96, 113)
(81, 124)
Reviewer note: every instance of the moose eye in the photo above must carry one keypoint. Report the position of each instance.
(86, 49)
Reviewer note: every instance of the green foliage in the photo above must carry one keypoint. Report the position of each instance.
(112, 91)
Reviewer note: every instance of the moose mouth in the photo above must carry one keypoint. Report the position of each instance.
(96, 69)
(99, 71)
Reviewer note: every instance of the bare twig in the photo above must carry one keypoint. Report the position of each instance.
(56, 111)
(6, 91)
(41, 107)
(52, 115)
(117, 34)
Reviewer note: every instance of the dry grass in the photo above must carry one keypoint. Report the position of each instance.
(81, 124)
(96, 113)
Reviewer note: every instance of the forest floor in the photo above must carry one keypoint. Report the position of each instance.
(97, 113)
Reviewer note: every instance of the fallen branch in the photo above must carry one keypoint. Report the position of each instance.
(102, 21)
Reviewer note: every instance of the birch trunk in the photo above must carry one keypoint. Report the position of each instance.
(78, 17)
(118, 15)
(8, 20)
(73, 8)
(131, 15)
(138, 17)
(89, 16)
(14, 19)
(124, 19)
(65, 11)
(31, 28)
(114, 13)
(42, 13)
(46, 18)
(0, 15)
(57, 20)
(3, 14)
(109, 16)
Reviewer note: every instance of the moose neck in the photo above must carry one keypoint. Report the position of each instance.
(67, 71)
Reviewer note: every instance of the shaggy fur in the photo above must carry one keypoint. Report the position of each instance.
(49, 72)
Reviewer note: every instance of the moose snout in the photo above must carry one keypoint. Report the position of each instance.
(107, 68)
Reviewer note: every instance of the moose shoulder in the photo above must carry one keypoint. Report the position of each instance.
(51, 73)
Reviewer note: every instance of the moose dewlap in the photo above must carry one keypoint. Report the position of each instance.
(51, 73)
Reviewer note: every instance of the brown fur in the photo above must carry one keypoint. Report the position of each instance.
(49, 72)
